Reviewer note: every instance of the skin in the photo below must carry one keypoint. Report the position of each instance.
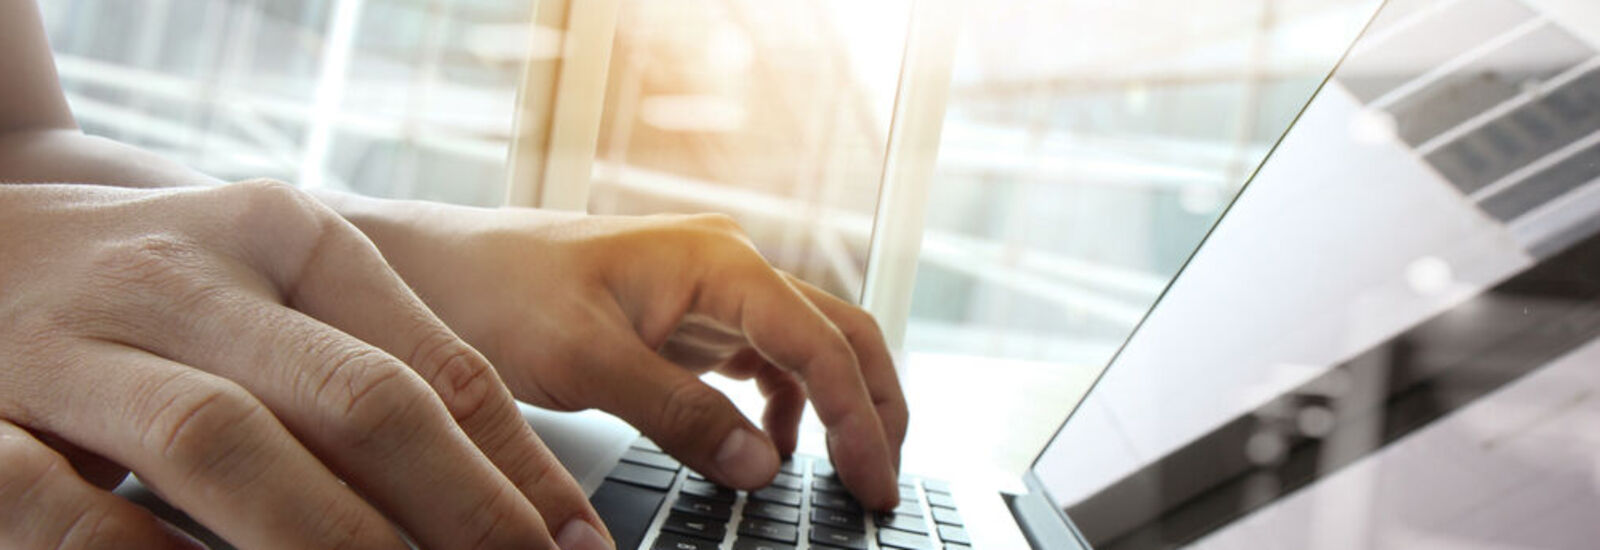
(301, 371)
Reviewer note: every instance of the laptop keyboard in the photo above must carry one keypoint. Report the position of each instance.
(805, 507)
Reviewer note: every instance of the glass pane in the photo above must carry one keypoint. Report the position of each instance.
(774, 112)
(1087, 148)
(1391, 340)
(238, 88)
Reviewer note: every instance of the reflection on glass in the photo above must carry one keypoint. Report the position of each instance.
(241, 89)
(1088, 147)
(775, 113)
(1390, 341)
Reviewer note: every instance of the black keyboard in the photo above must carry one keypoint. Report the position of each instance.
(650, 498)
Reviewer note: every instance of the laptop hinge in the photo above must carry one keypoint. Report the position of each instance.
(1045, 526)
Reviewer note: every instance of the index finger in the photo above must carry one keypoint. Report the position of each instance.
(791, 333)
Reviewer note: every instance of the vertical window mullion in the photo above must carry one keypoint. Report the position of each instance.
(559, 108)
(912, 154)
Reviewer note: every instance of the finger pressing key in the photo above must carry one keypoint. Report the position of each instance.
(791, 333)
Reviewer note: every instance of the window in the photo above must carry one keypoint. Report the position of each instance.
(775, 113)
(383, 97)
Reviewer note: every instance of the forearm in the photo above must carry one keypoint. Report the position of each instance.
(70, 156)
(40, 141)
(410, 234)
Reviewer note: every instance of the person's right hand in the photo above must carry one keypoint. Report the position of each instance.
(252, 357)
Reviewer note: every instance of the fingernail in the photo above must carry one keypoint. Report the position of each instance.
(579, 535)
(745, 460)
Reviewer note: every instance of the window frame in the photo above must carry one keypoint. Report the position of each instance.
(912, 154)
(559, 106)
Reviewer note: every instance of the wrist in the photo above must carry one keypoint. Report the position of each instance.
(392, 225)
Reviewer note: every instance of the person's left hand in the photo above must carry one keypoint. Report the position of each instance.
(624, 313)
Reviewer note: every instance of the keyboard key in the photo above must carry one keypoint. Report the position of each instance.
(752, 543)
(703, 506)
(953, 546)
(696, 475)
(796, 465)
(626, 510)
(642, 475)
(652, 459)
(772, 511)
(909, 509)
(770, 530)
(695, 526)
(936, 486)
(709, 490)
(954, 534)
(946, 516)
(835, 518)
(908, 482)
(830, 484)
(822, 534)
(836, 502)
(646, 444)
(778, 495)
(914, 524)
(941, 500)
(787, 481)
(674, 541)
(900, 539)
(909, 494)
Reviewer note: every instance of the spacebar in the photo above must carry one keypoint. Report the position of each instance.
(627, 510)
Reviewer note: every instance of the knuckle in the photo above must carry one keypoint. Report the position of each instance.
(547, 473)
(196, 425)
(464, 380)
(690, 408)
(369, 395)
(865, 323)
(714, 233)
(270, 207)
(717, 221)
(270, 197)
(501, 520)
(350, 529)
(95, 526)
(835, 356)
(898, 415)
(27, 463)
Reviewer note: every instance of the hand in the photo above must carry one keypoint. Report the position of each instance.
(251, 356)
(623, 314)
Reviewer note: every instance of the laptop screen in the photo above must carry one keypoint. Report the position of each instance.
(1387, 340)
